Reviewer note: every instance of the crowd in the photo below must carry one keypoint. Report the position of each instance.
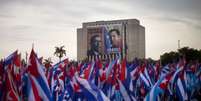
(97, 80)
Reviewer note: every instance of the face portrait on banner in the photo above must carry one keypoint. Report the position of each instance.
(116, 38)
(95, 41)
(105, 39)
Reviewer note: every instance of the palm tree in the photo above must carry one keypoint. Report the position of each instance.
(60, 52)
(47, 63)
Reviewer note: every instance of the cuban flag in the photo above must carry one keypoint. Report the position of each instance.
(165, 82)
(12, 65)
(90, 90)
(145, 76)
(58, 77)
(1, 78)
(165, 70)
(58, 73)
(154, 92)
(108, 43)
(123, 70)
(156, 69)
(66, 95)
(175, 76)
(75, 85)
(33, 94)
(9, 60)
(11, 92)
(39, 82)
(159, 87)
(110, 66)
(88, 72)
(181, 87)
(72, 80)
(125, 93)
(133, 75)
(16, 70)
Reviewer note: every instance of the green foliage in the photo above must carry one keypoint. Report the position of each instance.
(60, 52)
(190, 54)
(169, 57)
(47, 62)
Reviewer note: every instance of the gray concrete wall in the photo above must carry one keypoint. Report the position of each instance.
(135, 38)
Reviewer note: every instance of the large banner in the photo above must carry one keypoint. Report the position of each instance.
(105, 39)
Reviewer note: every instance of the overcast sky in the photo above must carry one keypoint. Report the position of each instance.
(50, 23)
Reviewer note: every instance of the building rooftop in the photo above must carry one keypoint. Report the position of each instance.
(102, 22)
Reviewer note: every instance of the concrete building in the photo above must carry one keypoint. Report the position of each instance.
(134, 37)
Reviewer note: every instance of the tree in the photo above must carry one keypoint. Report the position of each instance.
(60, 52)
(47, 63)
(190, 54)
(170, 57)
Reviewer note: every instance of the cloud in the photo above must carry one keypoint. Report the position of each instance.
(188, 22)
(52, 22)
(180, 8)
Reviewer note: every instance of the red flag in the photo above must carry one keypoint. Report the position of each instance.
(34, 91)
(36, 72)
(123, 70)
(165, 82)
(17, 67)
(1, 75)
(11, 89)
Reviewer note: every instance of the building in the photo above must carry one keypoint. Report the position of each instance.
(131, 40)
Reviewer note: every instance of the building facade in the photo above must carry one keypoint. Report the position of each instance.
(99, 38)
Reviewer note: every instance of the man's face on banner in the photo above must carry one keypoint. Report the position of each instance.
(116, 38)
(95, 43)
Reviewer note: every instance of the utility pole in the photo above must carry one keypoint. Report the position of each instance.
(178, 44)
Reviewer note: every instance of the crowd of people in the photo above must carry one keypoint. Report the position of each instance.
(97, 80)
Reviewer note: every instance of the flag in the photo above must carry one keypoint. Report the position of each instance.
(12, 77)
(39, 82)
(165, 70)
(156, 69)
(110, 67)
(145, 77)
(123, 71)
(91, 91)
(33, 94)
(9, 60)
(181, 89)
(88, 72)
(72, 80)
(159, 87)
(58, 73)
(124, 92)
(107, 41)
(1, 78)
(11, 89)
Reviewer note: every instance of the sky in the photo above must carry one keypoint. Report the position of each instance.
(50, 23)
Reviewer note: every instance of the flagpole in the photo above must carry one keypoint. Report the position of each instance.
(26, 56)
(123, 39)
